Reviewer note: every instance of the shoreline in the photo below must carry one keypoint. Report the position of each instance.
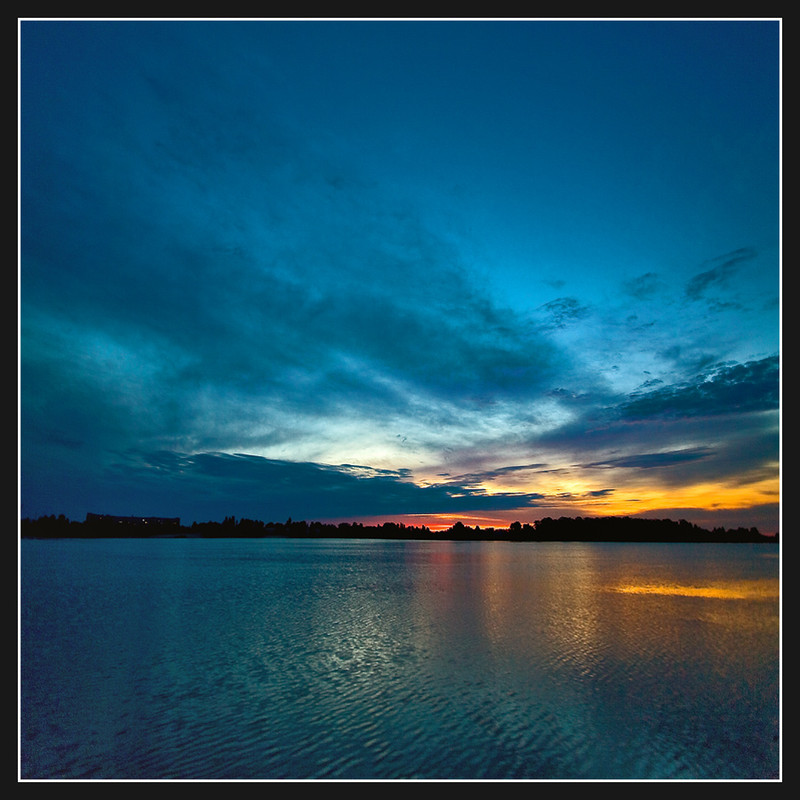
(564, 529)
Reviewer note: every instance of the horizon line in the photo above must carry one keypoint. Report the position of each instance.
(455, 524)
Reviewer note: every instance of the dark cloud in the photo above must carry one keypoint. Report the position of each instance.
(217, 285)
(564, 311)
(653, 460)
(214, 485)
(720, 273)
(644, 286)
(522, 473)
(735, 388)
(692, 359)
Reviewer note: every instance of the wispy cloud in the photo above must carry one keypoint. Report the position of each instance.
(644, 286)
(564, 311)
(653, 460)
(721, 271)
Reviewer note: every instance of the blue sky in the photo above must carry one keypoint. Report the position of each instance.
(419, 271)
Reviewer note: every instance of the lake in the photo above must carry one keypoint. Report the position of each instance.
(367, 659)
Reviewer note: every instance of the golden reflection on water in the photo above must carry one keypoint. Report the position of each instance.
(764, 589)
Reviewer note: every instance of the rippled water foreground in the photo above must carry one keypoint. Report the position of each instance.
(345, 659)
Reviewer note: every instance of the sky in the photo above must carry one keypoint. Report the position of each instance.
(413, 270)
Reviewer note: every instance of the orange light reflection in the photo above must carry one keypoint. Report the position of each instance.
(742, 590)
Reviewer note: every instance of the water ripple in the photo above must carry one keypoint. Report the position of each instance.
(500, 663)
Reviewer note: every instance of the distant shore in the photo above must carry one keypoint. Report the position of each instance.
(563, 529)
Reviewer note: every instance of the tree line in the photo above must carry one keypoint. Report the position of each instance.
(563, 529)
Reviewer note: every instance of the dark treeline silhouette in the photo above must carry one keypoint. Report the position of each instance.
(564, 529)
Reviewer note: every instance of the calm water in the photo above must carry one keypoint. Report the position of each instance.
(349, 659)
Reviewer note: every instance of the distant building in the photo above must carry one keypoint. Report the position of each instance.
(135, 522)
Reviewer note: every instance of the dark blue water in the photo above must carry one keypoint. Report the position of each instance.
(343, 659)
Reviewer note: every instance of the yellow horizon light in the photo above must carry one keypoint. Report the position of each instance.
(630, 498)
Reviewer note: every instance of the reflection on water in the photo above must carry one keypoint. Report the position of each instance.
(741, 590)
(348, 659)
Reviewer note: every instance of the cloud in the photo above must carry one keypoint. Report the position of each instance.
(735, 388)
(219, 484)
(564, 311)
(522, 474)
(235, 286)
(723, 269)
(644, 286)
(653, 460)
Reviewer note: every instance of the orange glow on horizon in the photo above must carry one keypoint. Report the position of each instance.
(703, 496)
(573, 498)
(631, 498)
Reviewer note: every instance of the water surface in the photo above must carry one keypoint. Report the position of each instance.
(344, 659)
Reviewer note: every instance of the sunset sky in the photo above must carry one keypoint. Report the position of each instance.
(420, 271)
